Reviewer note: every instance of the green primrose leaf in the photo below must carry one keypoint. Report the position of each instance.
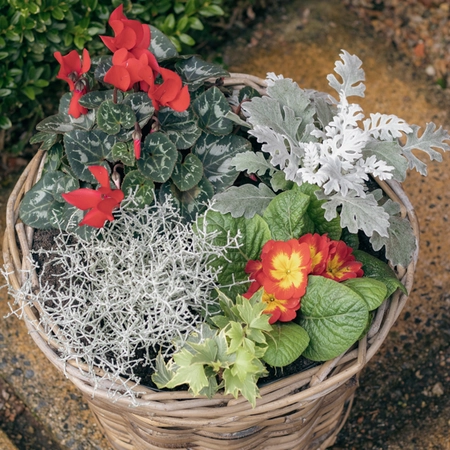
(216, 153)
(287, 216)
(334, 317)
(253, 234)
(285, 343)
(187, 174)
(372, 291)
(158, 158)
(374, 268)
(317, 214)
(112, 116)
(211, 108)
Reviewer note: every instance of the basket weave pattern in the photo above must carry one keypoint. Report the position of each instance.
(303, 411)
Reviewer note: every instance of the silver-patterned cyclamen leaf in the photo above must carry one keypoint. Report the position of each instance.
(195, 71)
(180, 127)
(112, 116)
(87, 148)
(211, 108)
(159, 156)
(216, 153)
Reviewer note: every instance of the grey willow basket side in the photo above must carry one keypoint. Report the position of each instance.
(302, 411)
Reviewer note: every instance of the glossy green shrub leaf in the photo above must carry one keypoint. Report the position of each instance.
(111, 117)
(211, 108)
(158, 158)
(188, 173)
(254, 233)
(317, 213)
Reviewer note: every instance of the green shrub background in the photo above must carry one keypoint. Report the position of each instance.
(32, 30)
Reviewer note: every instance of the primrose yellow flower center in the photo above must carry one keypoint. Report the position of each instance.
(288, 269)
(273, 303)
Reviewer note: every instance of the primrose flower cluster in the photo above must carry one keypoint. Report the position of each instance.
(282, 272)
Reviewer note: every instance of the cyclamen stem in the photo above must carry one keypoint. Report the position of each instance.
(115, 95)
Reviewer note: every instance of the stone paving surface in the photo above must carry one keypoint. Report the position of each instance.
(403, 402)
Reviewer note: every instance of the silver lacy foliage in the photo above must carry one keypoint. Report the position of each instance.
(313, 138)
(134, 289)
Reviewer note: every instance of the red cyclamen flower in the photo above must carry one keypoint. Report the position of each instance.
(170, 92)
(72, 70)
(129, 34)
(100, 202)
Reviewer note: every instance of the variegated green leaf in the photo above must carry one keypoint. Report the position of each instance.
(195, 71)
(112, 116)
(216, 153)
(124, 152)
(158, 157)
(161, 46)
(187, 174)
(94, 99)
(43, 205)
(191, 202)
(87, 148)
(103, 66)
(84, 122)
(58, 123)
(53, 158)
(211, 108)
(142, 188)
(181, 127)
(141, 105)
(47, 140)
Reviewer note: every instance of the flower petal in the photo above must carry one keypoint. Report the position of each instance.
(83, 198)
(119, 77)
(94, 218)
(101, 175)
(182, 101)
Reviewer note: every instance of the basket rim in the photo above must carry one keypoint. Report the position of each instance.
(308, 385)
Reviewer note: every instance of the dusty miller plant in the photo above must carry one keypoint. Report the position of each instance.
(128, 292)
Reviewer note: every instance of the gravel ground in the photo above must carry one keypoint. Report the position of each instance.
(418, 28)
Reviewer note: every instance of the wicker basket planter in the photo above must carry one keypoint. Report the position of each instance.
(302, 411)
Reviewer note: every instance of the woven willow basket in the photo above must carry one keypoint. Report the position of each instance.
(303, 411)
